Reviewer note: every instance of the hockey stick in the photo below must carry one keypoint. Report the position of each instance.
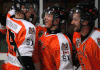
(20, 60)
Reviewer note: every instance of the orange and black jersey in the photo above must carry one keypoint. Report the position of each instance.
(88, 50)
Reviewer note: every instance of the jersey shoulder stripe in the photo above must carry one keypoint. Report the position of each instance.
(61, 37)
(13, 25)
(65, 63)
(17, 24)
(11, 12)
(95, 35)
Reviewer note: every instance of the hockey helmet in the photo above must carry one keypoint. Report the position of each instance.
(58, 12)
(87, 11)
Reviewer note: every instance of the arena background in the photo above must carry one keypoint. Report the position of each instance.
(5, 5)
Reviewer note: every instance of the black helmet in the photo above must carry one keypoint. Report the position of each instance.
(30, 6)
(87, 11)
(58, 12)
(18, 4)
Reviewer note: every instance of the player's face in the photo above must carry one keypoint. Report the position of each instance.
(76, 21)
(48, 18)
(23, 9)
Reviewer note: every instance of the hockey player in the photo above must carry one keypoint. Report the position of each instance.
(86, 37)
(20, 38)
(55, 48)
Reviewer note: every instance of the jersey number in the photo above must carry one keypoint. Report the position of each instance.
(29, 42)
(12, 42)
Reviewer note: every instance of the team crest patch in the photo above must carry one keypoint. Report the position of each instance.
(64, 46)
(66, 52)
(98, 40)
(31, 30)
(78, 42)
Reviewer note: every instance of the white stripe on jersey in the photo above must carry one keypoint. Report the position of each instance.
(12, 25)
(12, 12)
(67, 64)
(95, 34)
(13, 60)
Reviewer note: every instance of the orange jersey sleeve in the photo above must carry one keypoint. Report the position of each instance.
(39, 32)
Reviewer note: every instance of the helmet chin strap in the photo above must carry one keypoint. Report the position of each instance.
(57, 30)
(52, 24)
(81, 26)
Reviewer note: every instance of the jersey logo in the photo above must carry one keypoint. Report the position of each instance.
(66, 52)
(98, 39)
(64, 46)
(31, 30)
(78, 42)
